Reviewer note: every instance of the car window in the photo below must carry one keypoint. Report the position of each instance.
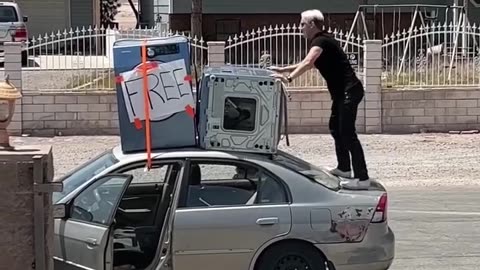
(8, 14)
(271, 191)
(83, 173)
(97, 202)
(306, 169)
(214, 184)
(144, 194)
(156, 174)
(213, 172)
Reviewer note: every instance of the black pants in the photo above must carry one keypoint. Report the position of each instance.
(342, 128)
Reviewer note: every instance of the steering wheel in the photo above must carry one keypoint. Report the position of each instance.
(102, 205)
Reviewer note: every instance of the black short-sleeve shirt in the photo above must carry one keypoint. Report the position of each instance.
(334, 66)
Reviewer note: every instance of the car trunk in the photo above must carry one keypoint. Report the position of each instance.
(370, 205)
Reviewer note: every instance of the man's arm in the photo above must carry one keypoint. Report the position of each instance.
(284, 69)
(291, 67)
(307, 63)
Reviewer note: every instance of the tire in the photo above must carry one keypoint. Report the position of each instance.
(291, 256)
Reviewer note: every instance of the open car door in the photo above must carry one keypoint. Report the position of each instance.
(171, 195)
(83, 225)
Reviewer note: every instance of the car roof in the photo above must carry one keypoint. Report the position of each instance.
(193, 152)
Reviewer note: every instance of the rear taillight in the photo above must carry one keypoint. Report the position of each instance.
(20, 34)
(380, 214)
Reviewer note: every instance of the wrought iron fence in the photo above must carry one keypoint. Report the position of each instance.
(81, 59)
(285, 45)
(435, 55)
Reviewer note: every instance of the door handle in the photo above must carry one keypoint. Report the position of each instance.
(267, 221)
(91, 242)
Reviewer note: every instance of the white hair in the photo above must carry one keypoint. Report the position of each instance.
(313, 15)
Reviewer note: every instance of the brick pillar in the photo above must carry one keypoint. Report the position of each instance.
(13, 67)
(373, 86)
(216, 53)
(26, 227)
(110, 38)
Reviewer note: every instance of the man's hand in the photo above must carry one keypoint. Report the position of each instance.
(276, 69)
(281, 77)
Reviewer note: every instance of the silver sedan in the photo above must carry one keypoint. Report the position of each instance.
(201, 209)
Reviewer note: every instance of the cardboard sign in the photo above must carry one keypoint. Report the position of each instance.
(169, 90)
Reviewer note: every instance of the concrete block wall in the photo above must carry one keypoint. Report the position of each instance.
(17, 209)
(13, 68)
(49, 114)
(309, 112)
(439, 110)
(95, 113)
(403, 111)
(216, 53)
(372, 104)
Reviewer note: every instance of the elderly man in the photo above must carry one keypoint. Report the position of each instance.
(346, 91)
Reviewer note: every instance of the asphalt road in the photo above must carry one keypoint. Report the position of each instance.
(436, 228)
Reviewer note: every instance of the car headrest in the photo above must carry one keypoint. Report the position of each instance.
(195, 175)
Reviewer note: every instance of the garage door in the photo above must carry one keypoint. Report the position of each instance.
(83, 15)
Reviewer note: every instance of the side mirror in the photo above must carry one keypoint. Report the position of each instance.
(59, 211)
(25, 18)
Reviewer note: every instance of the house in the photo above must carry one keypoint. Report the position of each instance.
(222, 18)
(47, 16)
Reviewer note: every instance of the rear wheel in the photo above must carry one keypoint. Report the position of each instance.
(291, 256)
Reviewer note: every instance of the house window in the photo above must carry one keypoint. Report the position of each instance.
(226, 28)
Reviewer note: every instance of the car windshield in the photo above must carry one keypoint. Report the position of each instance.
(83, 173)
(308, 170)
(8, 14)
